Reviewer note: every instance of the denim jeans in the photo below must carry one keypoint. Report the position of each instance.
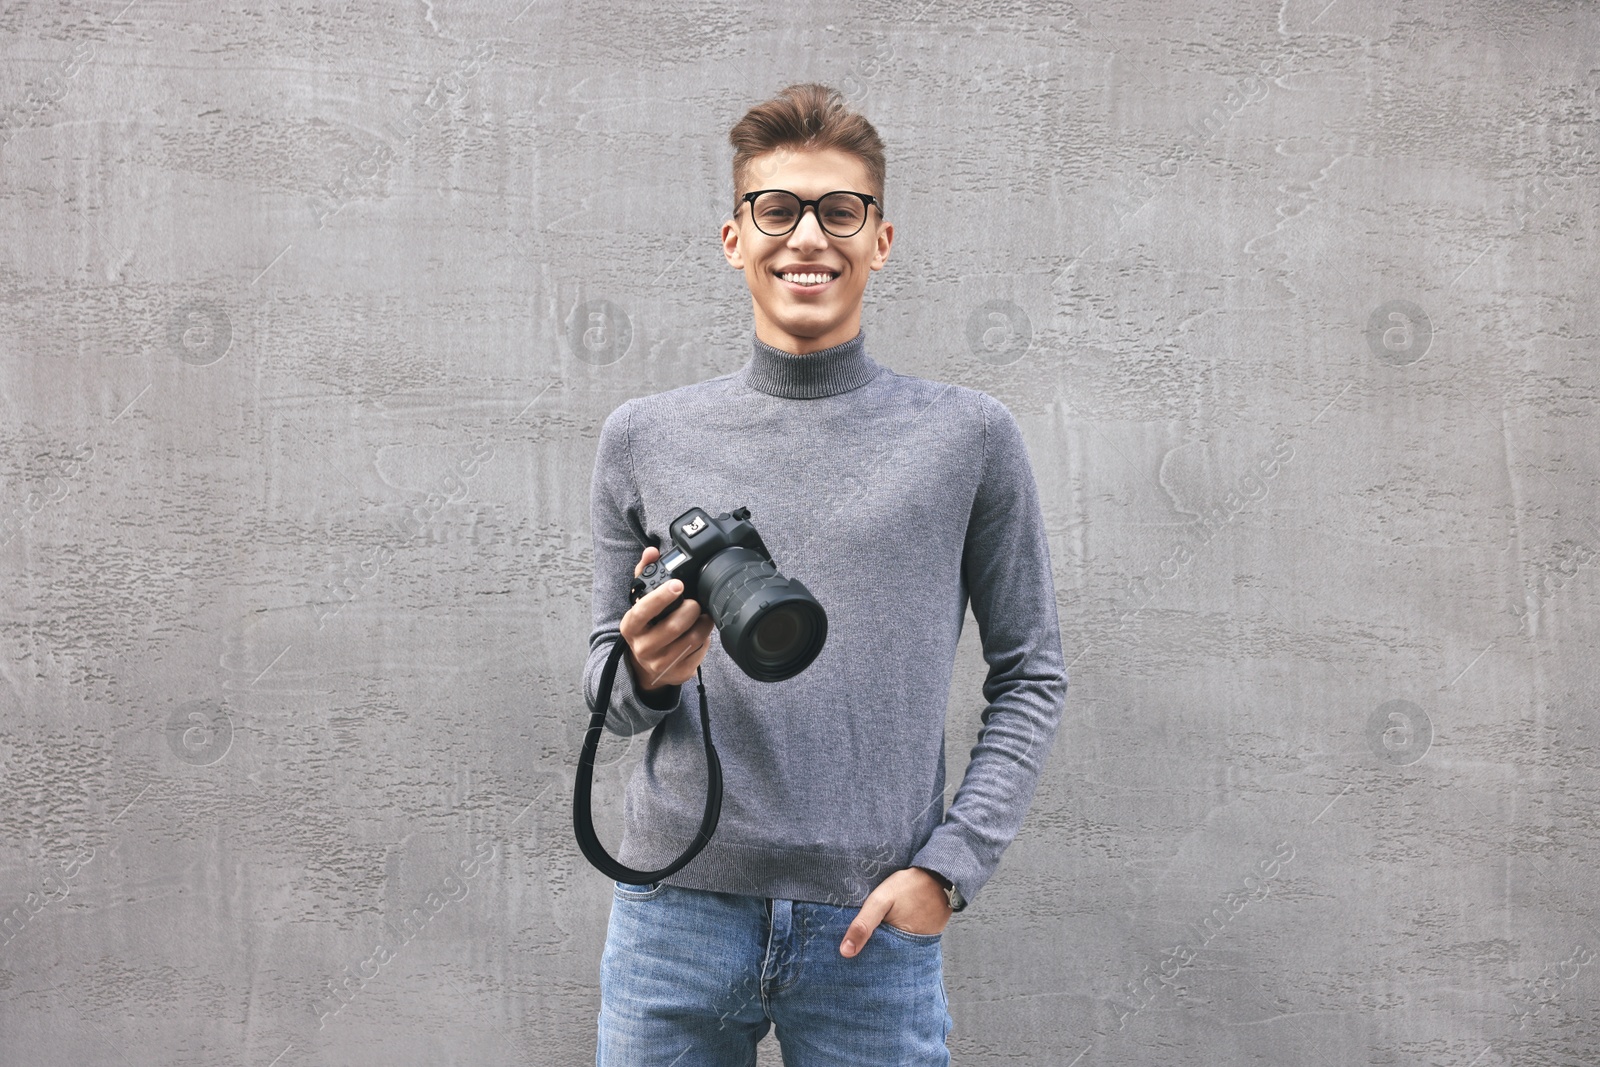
(690, 978)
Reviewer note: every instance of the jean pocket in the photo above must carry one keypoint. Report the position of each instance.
(907, 935)
(627, 891)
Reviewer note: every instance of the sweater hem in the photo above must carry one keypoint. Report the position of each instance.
(812, 875)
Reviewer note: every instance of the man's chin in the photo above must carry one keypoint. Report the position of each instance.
(803, 326)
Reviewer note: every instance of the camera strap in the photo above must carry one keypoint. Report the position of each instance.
(582, 786)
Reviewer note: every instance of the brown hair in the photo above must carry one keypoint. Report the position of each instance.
(805, 116)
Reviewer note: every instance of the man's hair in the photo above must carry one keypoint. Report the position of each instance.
(805, 116)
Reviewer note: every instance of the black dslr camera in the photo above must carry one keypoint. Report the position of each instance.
(771, 626)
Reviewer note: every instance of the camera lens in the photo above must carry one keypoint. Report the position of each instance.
(771, 626)
(779, 633)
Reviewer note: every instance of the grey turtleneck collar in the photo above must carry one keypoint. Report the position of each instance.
(816, 374)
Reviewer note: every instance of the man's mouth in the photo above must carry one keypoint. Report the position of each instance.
(809, 281)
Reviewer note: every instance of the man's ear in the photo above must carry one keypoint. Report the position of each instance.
(730, 245)
(880, 252)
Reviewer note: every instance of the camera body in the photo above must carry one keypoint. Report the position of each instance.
(696, 537)
(771, 625)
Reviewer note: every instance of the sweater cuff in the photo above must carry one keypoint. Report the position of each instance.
(663, 699)
(946, 853)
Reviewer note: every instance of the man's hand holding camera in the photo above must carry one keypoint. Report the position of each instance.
(665, 651)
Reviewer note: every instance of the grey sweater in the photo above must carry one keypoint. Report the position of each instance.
(893, 499)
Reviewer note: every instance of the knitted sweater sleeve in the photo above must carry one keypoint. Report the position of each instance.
(617, 521)
(1006, 568)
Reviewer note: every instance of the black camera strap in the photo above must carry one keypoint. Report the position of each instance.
(582, 786)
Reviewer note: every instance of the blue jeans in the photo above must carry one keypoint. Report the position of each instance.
(691, 978)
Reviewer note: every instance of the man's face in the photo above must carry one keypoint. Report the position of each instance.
(807, 318)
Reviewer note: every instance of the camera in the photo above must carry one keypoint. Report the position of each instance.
(771, 626)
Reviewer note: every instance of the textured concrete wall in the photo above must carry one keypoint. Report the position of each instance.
(310, 317)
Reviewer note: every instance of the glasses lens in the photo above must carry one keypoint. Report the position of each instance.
(842, 214)
(775, 213)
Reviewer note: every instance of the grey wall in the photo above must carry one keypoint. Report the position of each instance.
(310, 318)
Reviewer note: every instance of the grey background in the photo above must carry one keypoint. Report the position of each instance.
(269, 669)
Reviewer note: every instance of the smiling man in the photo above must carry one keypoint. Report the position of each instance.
(819, 904)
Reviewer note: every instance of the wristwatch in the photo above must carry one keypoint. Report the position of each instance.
(951, 893)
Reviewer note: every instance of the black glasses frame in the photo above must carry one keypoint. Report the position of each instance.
(868, 201)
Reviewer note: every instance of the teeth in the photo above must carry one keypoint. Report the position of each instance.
(806, 279)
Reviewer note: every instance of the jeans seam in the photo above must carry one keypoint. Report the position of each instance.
(761, 982)
(798, 952)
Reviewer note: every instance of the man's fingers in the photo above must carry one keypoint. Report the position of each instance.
(873, 909)
(650, 616)
(656, 680)
(653, 632)
(659, 599)
(650, 613)
(693, 643)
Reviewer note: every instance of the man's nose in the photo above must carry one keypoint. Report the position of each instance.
(814, 234)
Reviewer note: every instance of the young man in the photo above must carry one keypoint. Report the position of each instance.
(819, 903)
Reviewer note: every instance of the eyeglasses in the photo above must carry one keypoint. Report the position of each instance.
(776, 212)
